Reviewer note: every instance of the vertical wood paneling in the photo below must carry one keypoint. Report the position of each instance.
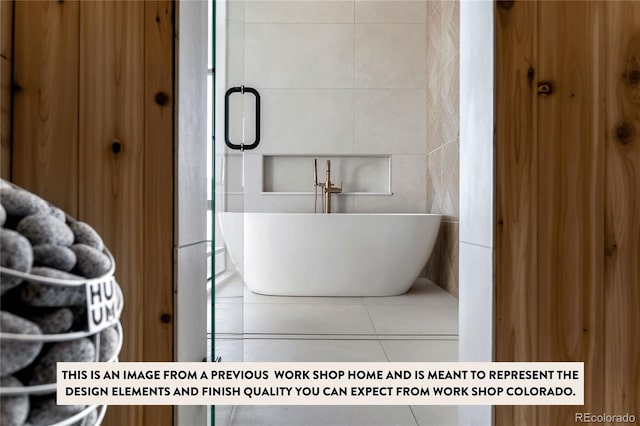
(158, 191)
(112, 184)
(6, 57)
(88, 76)
(516, 209)
(588, 196)
(571, 196)
(622, 294)
(45, 127)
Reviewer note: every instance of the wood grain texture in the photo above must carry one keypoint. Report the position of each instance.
(516, 180)
(622, 285)
(112, 106)
(571, 196)
(89, 73)
(158, 192)
(45, 123)
(6, 58)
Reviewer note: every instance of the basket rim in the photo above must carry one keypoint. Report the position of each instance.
(84, 413)
(61, 337)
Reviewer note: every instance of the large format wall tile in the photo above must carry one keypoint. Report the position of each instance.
(443, 107)
(450, 168)
(443, 23)
(443, 181)
(235, 53)
(476, 303)
(390, 121)
(442, 267)
(408, 184)
(191, 303)
(299, 55)
(390, 56)
(434, 182)
(434, 41)
(443, 169)
(235, 10)
(301, 121)
(379, 12)
(297, 11)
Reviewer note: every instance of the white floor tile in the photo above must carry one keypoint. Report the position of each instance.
(231, 350)
(421, 350)
(272, 350)
(436, 415)
(306, 319)
(228, 318)
(429, 318)
(422, 292)
(223, 415)
(249, 415)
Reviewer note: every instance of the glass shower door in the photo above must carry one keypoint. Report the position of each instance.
(234, 129)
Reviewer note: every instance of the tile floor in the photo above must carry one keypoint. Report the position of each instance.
(421, 325)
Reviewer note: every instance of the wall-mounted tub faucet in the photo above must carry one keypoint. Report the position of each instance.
(326, 188)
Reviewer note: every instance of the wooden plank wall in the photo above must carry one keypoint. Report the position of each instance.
(568, 198)
(570, 181)
(6, 58)
(93, 133)
(517, 210)
(622, 204)
(45, 106)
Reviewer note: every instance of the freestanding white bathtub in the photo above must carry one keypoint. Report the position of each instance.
(299, 254)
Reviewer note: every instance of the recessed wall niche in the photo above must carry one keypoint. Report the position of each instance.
(361, 174)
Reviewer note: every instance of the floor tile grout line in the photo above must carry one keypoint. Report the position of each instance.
(342, 336)
(370, 319)
(414, 415)
(383, 350)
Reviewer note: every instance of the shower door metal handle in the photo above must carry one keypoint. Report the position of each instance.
(242, 90)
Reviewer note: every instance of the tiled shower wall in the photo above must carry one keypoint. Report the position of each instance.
(443, 144)
(354, 78)
(335, 78)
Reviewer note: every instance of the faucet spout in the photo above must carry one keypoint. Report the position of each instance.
(329, 188)
(326, 188)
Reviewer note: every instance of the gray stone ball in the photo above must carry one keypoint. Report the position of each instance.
(18, 202)
(108, 343)
(42, 228)
(15, 253)
(85, 234)
(45, 412)
(58, 213)
(13, 409)
(58, 321)
(90, 262)
(37, 294)
(54, 256)
(79, 316)
(15, 355)
(44, 369)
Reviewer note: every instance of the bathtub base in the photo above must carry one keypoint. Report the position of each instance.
(291, 254)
